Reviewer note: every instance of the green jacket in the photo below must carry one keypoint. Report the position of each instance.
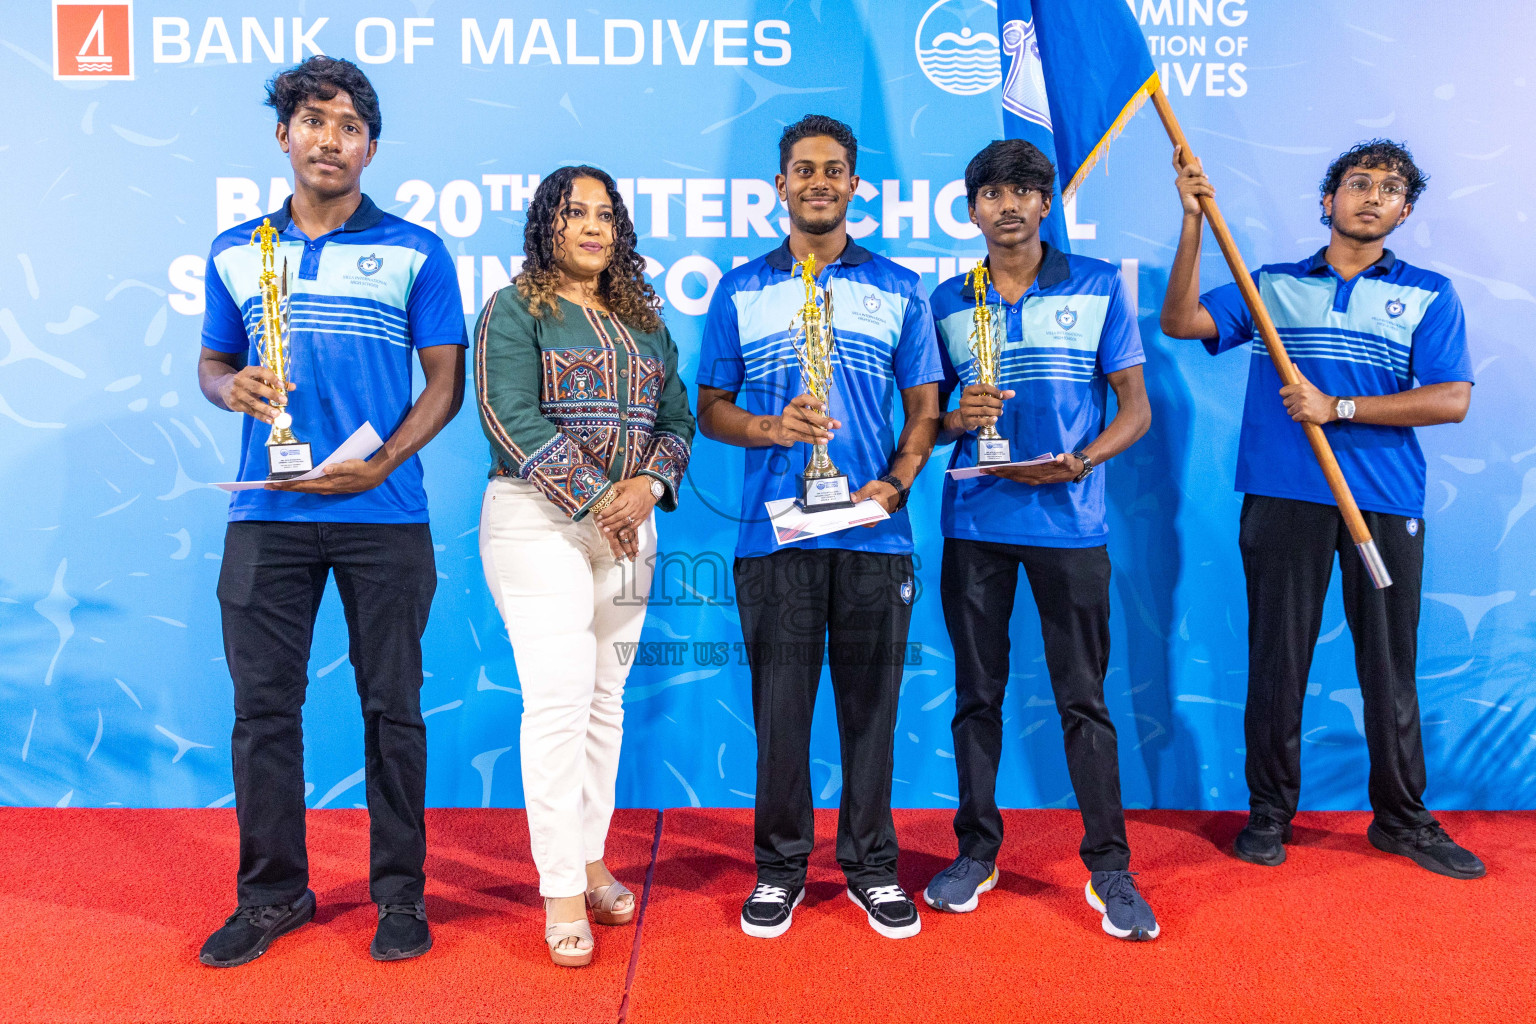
(575, 404)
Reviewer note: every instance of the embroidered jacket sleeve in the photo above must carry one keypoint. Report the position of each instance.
(666, 457)
(527, 445)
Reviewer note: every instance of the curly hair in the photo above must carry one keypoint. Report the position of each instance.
(622, 286)
(812, 126)
(322, 78)
(1374, 154)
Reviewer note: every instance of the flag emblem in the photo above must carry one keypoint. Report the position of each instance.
(1066, 317)
(93, 40)
(1024, 88)
(956, 47)
(1395, 308)
(369, 264)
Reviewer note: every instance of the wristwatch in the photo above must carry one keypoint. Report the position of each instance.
(658, 489)
(1344, 408)
(1087, 461)
(901, 492)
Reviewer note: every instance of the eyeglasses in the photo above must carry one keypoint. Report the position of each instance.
(1361, 186)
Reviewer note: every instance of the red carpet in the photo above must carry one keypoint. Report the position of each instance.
(1339, 933)
(105, 910)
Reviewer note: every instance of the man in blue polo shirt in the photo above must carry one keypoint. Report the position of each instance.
(1361, 326)
(1069, 334)
(367, 292)
(856, 585)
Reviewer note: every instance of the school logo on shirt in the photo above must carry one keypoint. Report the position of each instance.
(1413, 527)
(1066, 317)
(907, 591)
(872, 303)
(370, 265)
(1395, 308)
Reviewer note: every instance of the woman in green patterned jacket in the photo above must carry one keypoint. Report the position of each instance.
(577, 386)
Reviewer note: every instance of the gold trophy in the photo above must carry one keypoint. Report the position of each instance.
(287, 456)
(822, 486)
(987, 348)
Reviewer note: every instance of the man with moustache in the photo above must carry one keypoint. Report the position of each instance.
(1068, 331)
(366, 292)
(854, 587)
(1361, 326)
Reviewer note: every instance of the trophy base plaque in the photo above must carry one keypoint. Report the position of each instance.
(287, 461)
(820, 494)
(992, 451)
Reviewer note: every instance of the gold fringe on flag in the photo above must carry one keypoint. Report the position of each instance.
(1127, 112)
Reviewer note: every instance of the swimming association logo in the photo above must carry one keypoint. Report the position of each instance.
(872, 303)
(369, 265)
(93, 40)
(957, 46)
(1395, 308)
(1066, 316)
(1024, 88)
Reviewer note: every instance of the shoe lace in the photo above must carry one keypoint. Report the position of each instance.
(959, 869)
(1120, 888)
(1264, 823)
(262, 917)
(765, 893)
(417, 910)
(879, 894)
(1430, 834)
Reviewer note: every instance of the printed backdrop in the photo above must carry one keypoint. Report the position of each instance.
(113, 688)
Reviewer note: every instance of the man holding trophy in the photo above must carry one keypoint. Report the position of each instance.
(1033, 334)
(812, 408)
(313, 315)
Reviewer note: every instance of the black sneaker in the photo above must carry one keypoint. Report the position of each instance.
(1430, 848)
(769, 910)
(402, 931)
(250, 930)
(1262, 840)
(890, 910)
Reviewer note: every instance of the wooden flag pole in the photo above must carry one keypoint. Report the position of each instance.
(1287, 369)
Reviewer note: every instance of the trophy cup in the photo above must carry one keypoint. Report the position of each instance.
(287, 456)
(822, 486)
(986, 347)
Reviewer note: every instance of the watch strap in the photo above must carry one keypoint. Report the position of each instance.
(901, 492)
(1087, 461)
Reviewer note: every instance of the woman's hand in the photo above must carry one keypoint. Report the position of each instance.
(621, 520)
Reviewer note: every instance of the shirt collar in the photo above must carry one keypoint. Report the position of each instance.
(853, 254)
(1054, 268)
(364, 217)
(1318, 264)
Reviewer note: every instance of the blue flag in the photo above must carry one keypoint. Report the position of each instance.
(1089, 74)
(1026, 111)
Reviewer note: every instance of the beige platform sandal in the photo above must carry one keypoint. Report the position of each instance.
(602, 901)
(556, 931)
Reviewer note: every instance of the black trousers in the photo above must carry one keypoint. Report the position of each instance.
(270, 587)
(1288, 550)
(791, 602)
(1071, 589)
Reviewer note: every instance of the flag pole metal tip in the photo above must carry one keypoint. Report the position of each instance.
(1374, 565)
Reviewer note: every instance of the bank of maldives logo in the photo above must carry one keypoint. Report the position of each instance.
(957, 46)
(1395, 308)
(93, 40)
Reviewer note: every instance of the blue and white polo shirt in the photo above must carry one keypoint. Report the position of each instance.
(1072, 327)
(884, 343)
(1375, 334)
(364, 297)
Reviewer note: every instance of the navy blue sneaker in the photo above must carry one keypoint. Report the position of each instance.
(1126, 914)
(958, 888)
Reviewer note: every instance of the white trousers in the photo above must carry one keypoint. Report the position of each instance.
(567, 605)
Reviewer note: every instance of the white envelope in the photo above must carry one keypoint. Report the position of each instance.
(363, 443)
(790, 524)
(967, 472)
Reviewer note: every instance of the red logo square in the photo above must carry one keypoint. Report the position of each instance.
(93, 40)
